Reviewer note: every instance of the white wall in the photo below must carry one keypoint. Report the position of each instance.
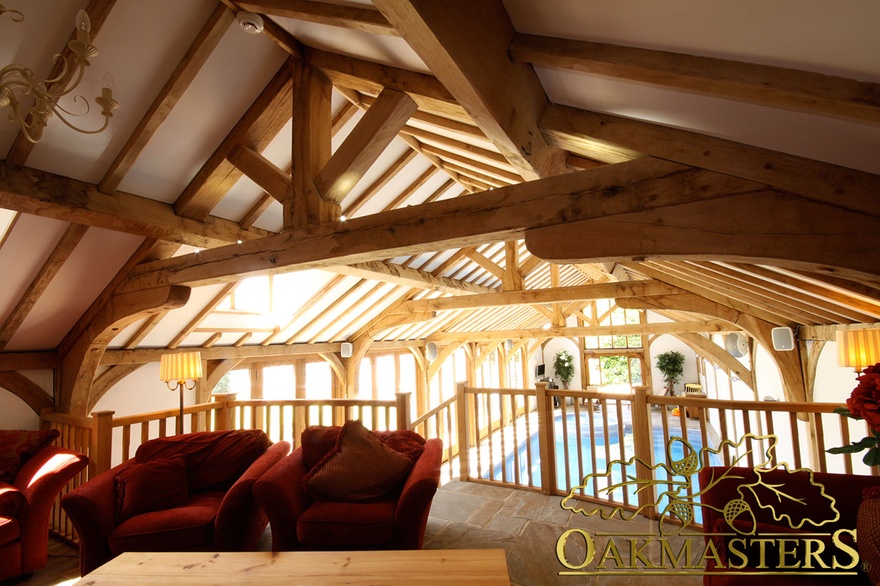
(669, 343)
(553, 346)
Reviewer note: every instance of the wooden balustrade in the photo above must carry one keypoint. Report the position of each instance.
(537, 439)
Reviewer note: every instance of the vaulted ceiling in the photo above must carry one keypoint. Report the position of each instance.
(375, 156)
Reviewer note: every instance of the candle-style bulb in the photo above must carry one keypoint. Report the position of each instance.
(82, 21)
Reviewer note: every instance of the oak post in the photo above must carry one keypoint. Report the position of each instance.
(545, 439)
(224, 416)
(642, 435)
(463, 447)
(404, 421)
(102, 442)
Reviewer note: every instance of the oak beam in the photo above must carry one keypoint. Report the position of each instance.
(26, 390)
(52, 196)
(541, 296)
(765, 85)
(357, 18)
(311, 149)
(269, 113)
(80, 363)
(699, 326)
(408, 277)
(28, 361)
(364, 144)
(466, 43)
(570, 128)
(261, 171)
(767, 228)
(501, 214)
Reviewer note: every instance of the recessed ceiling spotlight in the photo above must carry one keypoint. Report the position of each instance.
(250, 23)
(342, 218)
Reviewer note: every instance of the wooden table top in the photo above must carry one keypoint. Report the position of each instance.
(456, 567)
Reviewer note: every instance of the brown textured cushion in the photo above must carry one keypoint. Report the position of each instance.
(12, 500)
(17, 446)
(360, 468)
(153, 486)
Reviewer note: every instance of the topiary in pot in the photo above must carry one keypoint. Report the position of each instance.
(563, 365)
(671, 364)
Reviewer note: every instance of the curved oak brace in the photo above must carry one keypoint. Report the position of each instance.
(79, 365)
(353, 365)
(788, 363)
(107, 380)
(718, 355)
(26, 390)
(447, 351)
(769, 227)
(216, 370)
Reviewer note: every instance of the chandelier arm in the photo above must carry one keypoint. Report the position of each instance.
(103, 127)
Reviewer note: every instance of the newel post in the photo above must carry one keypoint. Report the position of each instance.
(224, 415)
(404, 419)
(643, 439)
(101, 449)
(545, 439)
(462, 426)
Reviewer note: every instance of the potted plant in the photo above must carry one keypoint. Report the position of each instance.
(563, 365)
(671, 364)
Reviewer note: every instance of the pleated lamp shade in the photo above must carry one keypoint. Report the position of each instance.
(180, 367)
(858, 348)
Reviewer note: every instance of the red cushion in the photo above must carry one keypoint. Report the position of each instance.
(17, 446)
(12, 500)
(152, 486)
(339, 525)
(360, 468)
(317, 441)
(214, 459)
(186, 528)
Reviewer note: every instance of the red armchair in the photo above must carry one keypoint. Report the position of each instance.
(302, 519)
(25, 505)
(844, 488)
(190, 492)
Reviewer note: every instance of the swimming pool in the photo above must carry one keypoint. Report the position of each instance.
(571, 470)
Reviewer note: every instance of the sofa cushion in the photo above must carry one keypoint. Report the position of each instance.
(152, 486)
(341, 524)
(12, 500)
(17, 446)
(317, 441)
(214, 459)
(360, 468)
(188, 527)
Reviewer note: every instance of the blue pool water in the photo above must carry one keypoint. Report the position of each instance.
(570, 471)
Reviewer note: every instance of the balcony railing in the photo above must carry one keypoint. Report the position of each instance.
(540, 439)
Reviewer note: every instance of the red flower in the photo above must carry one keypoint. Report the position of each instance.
(864, 401)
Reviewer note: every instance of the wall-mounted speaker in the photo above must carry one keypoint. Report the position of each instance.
(346, 349)
(783, 339)
(431, 351)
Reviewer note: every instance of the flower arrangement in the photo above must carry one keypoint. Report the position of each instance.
(563, 365)
(864, 403)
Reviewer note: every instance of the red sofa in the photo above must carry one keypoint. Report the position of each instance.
(844, 488)
(190, 492)
(392, 518)
(26, 502)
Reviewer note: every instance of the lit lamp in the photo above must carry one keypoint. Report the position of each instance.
(858, 348)
(176, 370)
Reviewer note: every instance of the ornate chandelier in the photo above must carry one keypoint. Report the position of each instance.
(18, 79)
